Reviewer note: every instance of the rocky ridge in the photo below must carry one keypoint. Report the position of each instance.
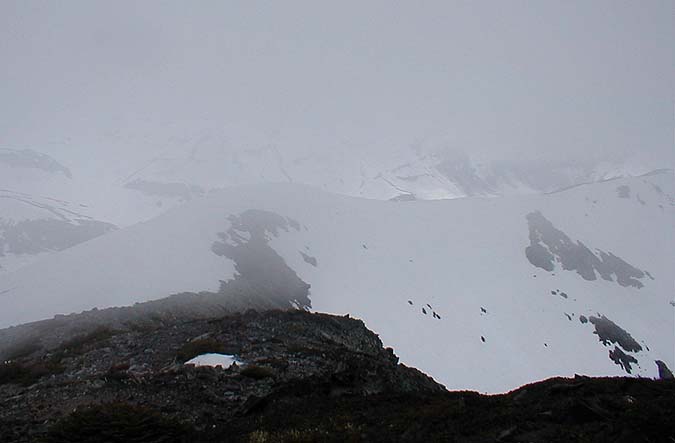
(300, 377)
(144, 366)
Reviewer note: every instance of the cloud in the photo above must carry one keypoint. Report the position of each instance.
(503, 80)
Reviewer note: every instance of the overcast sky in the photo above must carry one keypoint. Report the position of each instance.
(506, 78)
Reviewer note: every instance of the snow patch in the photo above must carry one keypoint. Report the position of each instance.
(214, 360)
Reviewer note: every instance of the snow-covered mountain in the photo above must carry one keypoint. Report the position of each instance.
(134, 177)
(168, 165)
(35, 217)
(481, 293)
(427, 171)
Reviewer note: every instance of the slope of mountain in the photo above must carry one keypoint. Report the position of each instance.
(170, 165)
(29, 159)
(294, 376)
(133, 178)
(424, 172)
(486, 294)
(35, 217)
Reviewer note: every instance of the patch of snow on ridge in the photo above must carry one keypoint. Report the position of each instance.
(214, 360)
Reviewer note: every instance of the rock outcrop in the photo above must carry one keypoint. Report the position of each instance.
(297, 376)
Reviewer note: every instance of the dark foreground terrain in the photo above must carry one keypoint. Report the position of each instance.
(304, 377)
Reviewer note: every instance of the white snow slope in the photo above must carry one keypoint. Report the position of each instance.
(493, 320)
(37, 216)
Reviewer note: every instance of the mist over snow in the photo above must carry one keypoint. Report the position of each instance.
(517, 288)
(488, 186)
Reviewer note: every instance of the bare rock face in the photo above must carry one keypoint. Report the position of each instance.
(549, 246)
(142, 366)
(664, 371)
(260, 269)
(297, 376)
(45, 234)
(29, 159)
